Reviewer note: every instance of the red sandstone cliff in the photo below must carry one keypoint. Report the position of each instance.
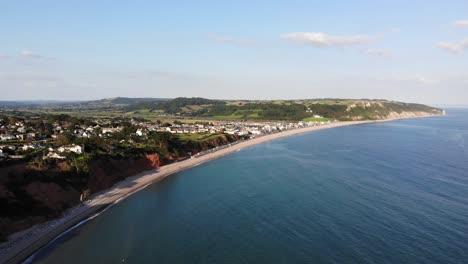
(29, 195)
(103, 173)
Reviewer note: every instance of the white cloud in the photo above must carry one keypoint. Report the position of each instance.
(455, 47)
(424, 80)
(378, 52)
(30, 54)
(460, 24)
(4, 56)
(421, 79)
(227, 39)
(318, 39)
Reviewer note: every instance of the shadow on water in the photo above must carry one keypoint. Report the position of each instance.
(68, 232)
(72, 230)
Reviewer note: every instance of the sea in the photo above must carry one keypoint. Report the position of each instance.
(390, 192)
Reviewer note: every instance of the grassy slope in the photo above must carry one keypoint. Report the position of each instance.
(198, 137)
(315, 119)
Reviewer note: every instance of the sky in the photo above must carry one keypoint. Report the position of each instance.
(412, 51)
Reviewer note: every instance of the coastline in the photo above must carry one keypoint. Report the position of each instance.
(25, 243)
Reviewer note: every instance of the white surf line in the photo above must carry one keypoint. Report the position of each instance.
(30, 259)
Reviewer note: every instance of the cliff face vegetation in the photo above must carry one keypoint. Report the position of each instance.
(103, 173)
(366, 110)
(30, 195)
(38, 191)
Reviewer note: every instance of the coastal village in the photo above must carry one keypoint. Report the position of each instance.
(56, 167)
(22, 138)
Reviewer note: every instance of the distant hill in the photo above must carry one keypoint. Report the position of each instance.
(180, 105)
(124, 100)
(341, 109)
(32, 103)
(117, 103)
(294, 110)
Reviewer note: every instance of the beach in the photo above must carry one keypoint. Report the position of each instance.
(25, 243)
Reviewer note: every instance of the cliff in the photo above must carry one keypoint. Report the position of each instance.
(103, 173)
(366, 110)
(393, 115)
(31, 195)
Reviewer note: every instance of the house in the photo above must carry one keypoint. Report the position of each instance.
(255, 132)
(139, 132)
(109, 130)
(33, 135)
(241, 133)
(71, 148)
(231, 131)
(22, 136)
(7, 137)
(53, 155)
(28, 146)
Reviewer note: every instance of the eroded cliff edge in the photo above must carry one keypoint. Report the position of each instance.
(31, 195)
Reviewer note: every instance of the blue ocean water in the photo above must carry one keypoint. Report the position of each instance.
(394, 192)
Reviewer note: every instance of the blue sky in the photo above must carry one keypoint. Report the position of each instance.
(399, 50)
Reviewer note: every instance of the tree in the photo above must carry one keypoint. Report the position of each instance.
(66, 138)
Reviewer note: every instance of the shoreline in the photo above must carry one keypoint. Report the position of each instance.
(24, 244)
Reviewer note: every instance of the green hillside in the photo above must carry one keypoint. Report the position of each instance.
(340, 109)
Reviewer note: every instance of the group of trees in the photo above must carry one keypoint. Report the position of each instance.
(174, 106)
(261, 111)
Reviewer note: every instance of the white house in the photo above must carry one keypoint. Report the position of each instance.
(231, 131)
(109, 130)
(71, 148)
(139, 132)
(7, 137)
(54, 155)
(255, 132)
(28, 146)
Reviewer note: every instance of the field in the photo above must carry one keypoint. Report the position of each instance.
(316, 119)
(151, 115)
(227, 117)
(198, 137)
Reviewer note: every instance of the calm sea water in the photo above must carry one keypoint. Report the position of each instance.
(393, 192)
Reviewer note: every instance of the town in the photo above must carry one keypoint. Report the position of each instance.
(61, 136)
